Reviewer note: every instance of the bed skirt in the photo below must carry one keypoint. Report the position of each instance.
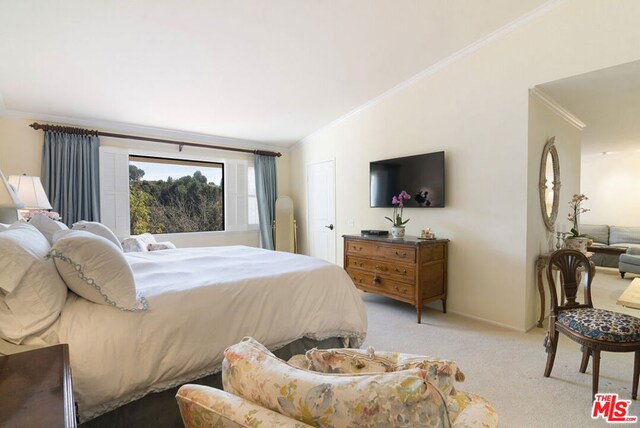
(160, 409)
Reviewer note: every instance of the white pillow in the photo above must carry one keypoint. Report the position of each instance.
(47, 226)
(32, 293)
(94, 268)
(97, 229)
(3, 227)
(166, 245)
(138, 243)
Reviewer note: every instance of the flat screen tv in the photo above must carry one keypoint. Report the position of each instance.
(422, 176)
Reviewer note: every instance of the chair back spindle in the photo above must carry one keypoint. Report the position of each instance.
(571, 264)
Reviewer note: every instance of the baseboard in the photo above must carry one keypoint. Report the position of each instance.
(496, 323)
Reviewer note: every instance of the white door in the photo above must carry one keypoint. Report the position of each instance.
(321, 201)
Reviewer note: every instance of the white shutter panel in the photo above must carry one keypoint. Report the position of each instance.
(114, 190)
(235, 187)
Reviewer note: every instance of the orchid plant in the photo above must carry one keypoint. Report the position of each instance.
(574, 215)
(398, 202)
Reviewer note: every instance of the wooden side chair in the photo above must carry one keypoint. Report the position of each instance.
(595, 329)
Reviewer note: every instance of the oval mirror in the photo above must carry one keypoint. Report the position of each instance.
(549, 184)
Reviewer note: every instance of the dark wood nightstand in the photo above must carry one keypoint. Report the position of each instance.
(35, 387)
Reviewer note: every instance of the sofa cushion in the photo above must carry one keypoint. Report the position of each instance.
(442, 373)
(598, 232)
(630, 259)
(621, 236)
(402, 399)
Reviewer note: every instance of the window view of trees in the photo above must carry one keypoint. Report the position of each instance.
(160, 203)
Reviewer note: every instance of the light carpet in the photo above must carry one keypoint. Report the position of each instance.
(505, 366)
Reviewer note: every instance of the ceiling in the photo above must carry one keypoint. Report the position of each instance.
(608, 102)
(269, 71)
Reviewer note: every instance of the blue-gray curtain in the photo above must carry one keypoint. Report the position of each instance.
(71, 175)
(266, 195)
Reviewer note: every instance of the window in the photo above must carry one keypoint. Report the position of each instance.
(175, 196)
(252, 200)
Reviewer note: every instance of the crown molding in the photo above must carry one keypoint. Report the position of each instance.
(456, 56)
(147, 131)
(557, 108)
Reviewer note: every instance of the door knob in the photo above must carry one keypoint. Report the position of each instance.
(330, 227)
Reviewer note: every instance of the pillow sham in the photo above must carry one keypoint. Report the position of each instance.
(95, 269)
(166, 245)
(97, 229)
(138, 243)
(47, 226)
(401, 398)
(32, 294)
(442, 373)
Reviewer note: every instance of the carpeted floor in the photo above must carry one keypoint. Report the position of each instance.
(506, 366)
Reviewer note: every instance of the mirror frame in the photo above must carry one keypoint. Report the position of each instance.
(550, 149)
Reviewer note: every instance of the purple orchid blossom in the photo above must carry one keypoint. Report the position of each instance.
(399, 202)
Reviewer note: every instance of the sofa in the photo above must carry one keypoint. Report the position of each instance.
(630, 262)
(333, 388)
(610, 236)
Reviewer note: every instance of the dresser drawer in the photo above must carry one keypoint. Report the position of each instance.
(381, 284)
(383, 267)
(381, 250)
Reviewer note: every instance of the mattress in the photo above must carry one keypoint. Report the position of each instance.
(201, 300)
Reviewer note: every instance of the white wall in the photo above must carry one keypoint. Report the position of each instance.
(544, 124)
(21, 153)
(612, 184)
(476, 109)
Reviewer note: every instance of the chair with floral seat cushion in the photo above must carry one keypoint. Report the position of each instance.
(595, 329)
(257, 385)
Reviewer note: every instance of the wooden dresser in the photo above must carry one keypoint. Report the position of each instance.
(411, 270)
(35, 387)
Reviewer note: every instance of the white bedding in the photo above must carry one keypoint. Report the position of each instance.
(201, 300)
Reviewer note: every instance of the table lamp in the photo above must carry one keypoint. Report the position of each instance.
(9, 201)
(30, 192)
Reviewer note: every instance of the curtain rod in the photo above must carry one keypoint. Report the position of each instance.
(180, 144)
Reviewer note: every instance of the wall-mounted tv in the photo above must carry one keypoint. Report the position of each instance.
(422, 176)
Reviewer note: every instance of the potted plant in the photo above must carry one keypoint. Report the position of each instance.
(574, 239)
(397, 230)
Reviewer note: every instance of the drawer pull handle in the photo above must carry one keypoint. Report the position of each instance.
(401, 255)
(404, 272)
(403, 291)
(382, 268)
(375, 280)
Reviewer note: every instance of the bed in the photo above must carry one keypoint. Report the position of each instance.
(200, 300)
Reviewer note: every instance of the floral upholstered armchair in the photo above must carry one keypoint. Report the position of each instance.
(333, 388)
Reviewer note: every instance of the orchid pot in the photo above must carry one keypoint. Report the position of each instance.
(397, 232)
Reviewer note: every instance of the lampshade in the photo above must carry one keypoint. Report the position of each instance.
(30, 192)
(8, 196)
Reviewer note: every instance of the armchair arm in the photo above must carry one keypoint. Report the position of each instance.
(476, 415)
(634, 250)
(206, 407)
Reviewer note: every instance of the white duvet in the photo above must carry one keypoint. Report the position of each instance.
(201, 300)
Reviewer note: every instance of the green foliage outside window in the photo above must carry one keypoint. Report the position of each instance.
(186, 204)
